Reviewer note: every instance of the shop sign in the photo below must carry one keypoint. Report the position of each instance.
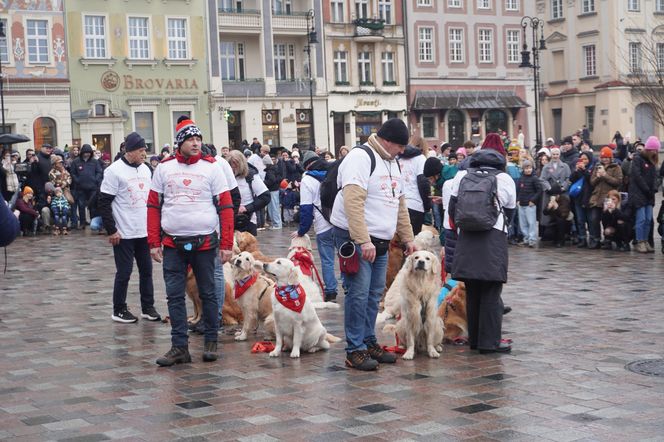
(111, 81)
(361, 102)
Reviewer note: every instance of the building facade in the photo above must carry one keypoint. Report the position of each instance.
(137, 66)
(365, 64)
(597, 52)
(261, 82)
(464, 76)
(34, 67)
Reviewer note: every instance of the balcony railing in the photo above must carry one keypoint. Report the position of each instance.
(289, 21)
(239, 18)
(249, 87)
(295, 87)
(369, 27)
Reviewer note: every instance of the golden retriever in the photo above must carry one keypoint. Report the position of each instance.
(231, 312)
(296, 323)
(453, 313)
(252, 292)
(246, 242)
(427, 240)
(419, 328)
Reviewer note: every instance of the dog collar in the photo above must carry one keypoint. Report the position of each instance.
(302, 259)
(244, 284)
(291, 296)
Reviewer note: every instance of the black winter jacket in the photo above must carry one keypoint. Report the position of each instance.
(642, 183)
(529, 189)
(587, 190)
(86, 175)
(38, 176)
(570, 157)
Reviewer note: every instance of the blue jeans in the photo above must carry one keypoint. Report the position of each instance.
(61, 217)
(274, 210)
(327, 252)
(528, 223)
(582, 218)
(643, 221)
(437, 216)
(175, 278)
(219, 283)
(95, 223)
(365, 288)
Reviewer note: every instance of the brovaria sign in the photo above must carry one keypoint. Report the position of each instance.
(111, 81)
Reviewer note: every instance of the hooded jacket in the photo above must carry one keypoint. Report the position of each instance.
(602, 185)
(642, 183)
(86, 174)
(9, 225)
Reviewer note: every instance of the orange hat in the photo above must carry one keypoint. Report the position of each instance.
(28, 189)
(606, 152)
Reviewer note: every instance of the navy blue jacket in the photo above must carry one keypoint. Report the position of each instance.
(86, 175)
(9, 226)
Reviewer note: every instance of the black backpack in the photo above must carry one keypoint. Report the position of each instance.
(329, 188)
(476, 209)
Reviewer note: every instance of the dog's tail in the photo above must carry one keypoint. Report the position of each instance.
(324, 305)
(390, 328)
(332, 339)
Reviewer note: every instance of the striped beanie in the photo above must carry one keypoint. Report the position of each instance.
(186, 128)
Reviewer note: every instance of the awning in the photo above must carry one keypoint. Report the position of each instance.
(467, 99)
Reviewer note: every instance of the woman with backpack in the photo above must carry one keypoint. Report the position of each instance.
(253, 191)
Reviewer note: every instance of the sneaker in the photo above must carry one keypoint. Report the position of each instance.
(275, 228)
(124, 317)
(360, 360)
(378, 354)
(151, 314)
(210, 352)
(176, 355)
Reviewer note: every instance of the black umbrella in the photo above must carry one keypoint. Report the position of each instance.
(13, 138)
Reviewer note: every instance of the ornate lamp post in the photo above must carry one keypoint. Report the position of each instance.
(537, 45)
(311, 39)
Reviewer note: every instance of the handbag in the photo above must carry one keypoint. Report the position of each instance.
(576, 188)
(349, 259)
(68, 196)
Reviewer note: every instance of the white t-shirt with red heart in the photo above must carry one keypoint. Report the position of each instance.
(188, 208)
(130, 186)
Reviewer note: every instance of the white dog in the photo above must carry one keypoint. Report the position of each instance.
(419, 328)
(300, 253)
(297, 325)
(252, 292)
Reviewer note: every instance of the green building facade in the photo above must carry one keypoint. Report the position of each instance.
(136, 66)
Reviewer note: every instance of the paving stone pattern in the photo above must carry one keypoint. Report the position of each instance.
(67, 372)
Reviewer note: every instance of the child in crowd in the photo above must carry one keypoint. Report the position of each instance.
(616, 222)
(290, 198)
(60, 208)
(529, 192)
(28, 216)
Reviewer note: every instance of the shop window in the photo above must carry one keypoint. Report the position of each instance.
(496, 121)
(271, 128)
(144, 123)
(44, 131)
(304, 128)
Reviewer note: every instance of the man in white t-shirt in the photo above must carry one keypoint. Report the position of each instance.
(189, 202)
(367, 212)
(123, 208)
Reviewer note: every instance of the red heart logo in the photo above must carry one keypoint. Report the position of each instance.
(186, 182)
(141, 185)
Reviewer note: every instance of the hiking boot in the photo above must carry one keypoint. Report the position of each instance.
(56, 231)
(124, 317)
(360, 360)
(176, 355)
(65, 231)
(378, 354)
(331, 297)
(210, 352)
(641, 247)
(582, 244)
(151, 314)
(594, 244)
(197, 327)
(649, 248)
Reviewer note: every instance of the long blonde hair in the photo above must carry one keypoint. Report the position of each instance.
(419, 142)
(238, 163)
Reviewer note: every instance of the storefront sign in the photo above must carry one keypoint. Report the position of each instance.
(111, 81)
(361, 102)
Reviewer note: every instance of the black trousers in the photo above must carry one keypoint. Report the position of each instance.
(416, 220)
(484, 309)
(125, 253)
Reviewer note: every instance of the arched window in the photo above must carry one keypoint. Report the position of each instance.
(456, 124)
(44, 132)
(496, 120)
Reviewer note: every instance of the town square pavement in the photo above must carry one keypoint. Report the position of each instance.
(67, 372)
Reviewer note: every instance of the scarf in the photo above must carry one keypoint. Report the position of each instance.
(291, 296)
(373, 142)
(244, 284)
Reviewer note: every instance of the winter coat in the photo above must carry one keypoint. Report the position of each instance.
(562, 211)
(556, 175)
(38, 176)
(528, 190)
(450, 247)
(289, 170)
(272, 179)
(60, 179)
(586, 191)
(570, 157)
(26, 207)
(602, 185)
(59, 202)
(481, 255)
(289, 198)
(642, 183)
(86, 175)
(9, 225)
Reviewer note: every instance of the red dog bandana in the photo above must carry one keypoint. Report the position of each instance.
(302, 259)
(243, 285)
(291, 296)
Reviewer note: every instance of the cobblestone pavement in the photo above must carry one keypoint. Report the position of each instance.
(67, 372)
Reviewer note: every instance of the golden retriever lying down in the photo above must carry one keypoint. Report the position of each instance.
(453, 313)
(419, 328)
(296, 323)
(253, 292)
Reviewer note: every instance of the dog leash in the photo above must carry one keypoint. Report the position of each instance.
(303, 257)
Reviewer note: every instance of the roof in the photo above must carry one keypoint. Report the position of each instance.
(467, 99)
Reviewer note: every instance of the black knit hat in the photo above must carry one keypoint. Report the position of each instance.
(394, 130)
(432, 167)
(567, 140)
(134, 142)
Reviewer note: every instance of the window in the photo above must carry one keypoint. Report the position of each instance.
(659, 6)
(513, 46)
(589, 61)
(385, 10)
(144, 125)
(361, 8)
(94, 28)
(227, 55)
(4, 48)
(291, 63)
(139, 38)
(424, 3)
(483, 4)
(456, 45)
(282, 7)
(454, 3)
(486, 45)
(240, 61)
(280, 62)
(429, 126)
(337, 11)
(425, 44)
(37, 41)
(590, 118)
(511, 5)
(100, 110)
(588, 6)
(635, 57)
(44, 131)
(556, 9)
(387, 60)
(364, 68)
(177, 39)
(660, 58)
(633, 5)
(341, 67)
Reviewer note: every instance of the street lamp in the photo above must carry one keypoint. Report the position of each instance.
(311, 39)
(2, 79)
(538, 45)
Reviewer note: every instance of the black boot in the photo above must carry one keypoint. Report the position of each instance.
(582, 244)
(176, 355)
(594, 244)
(210, 352)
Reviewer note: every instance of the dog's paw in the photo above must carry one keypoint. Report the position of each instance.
(409, 355)
(433, 353)
(439, 348)
(275, 354)
(295, 353)
(238, 333)
(241, 337)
